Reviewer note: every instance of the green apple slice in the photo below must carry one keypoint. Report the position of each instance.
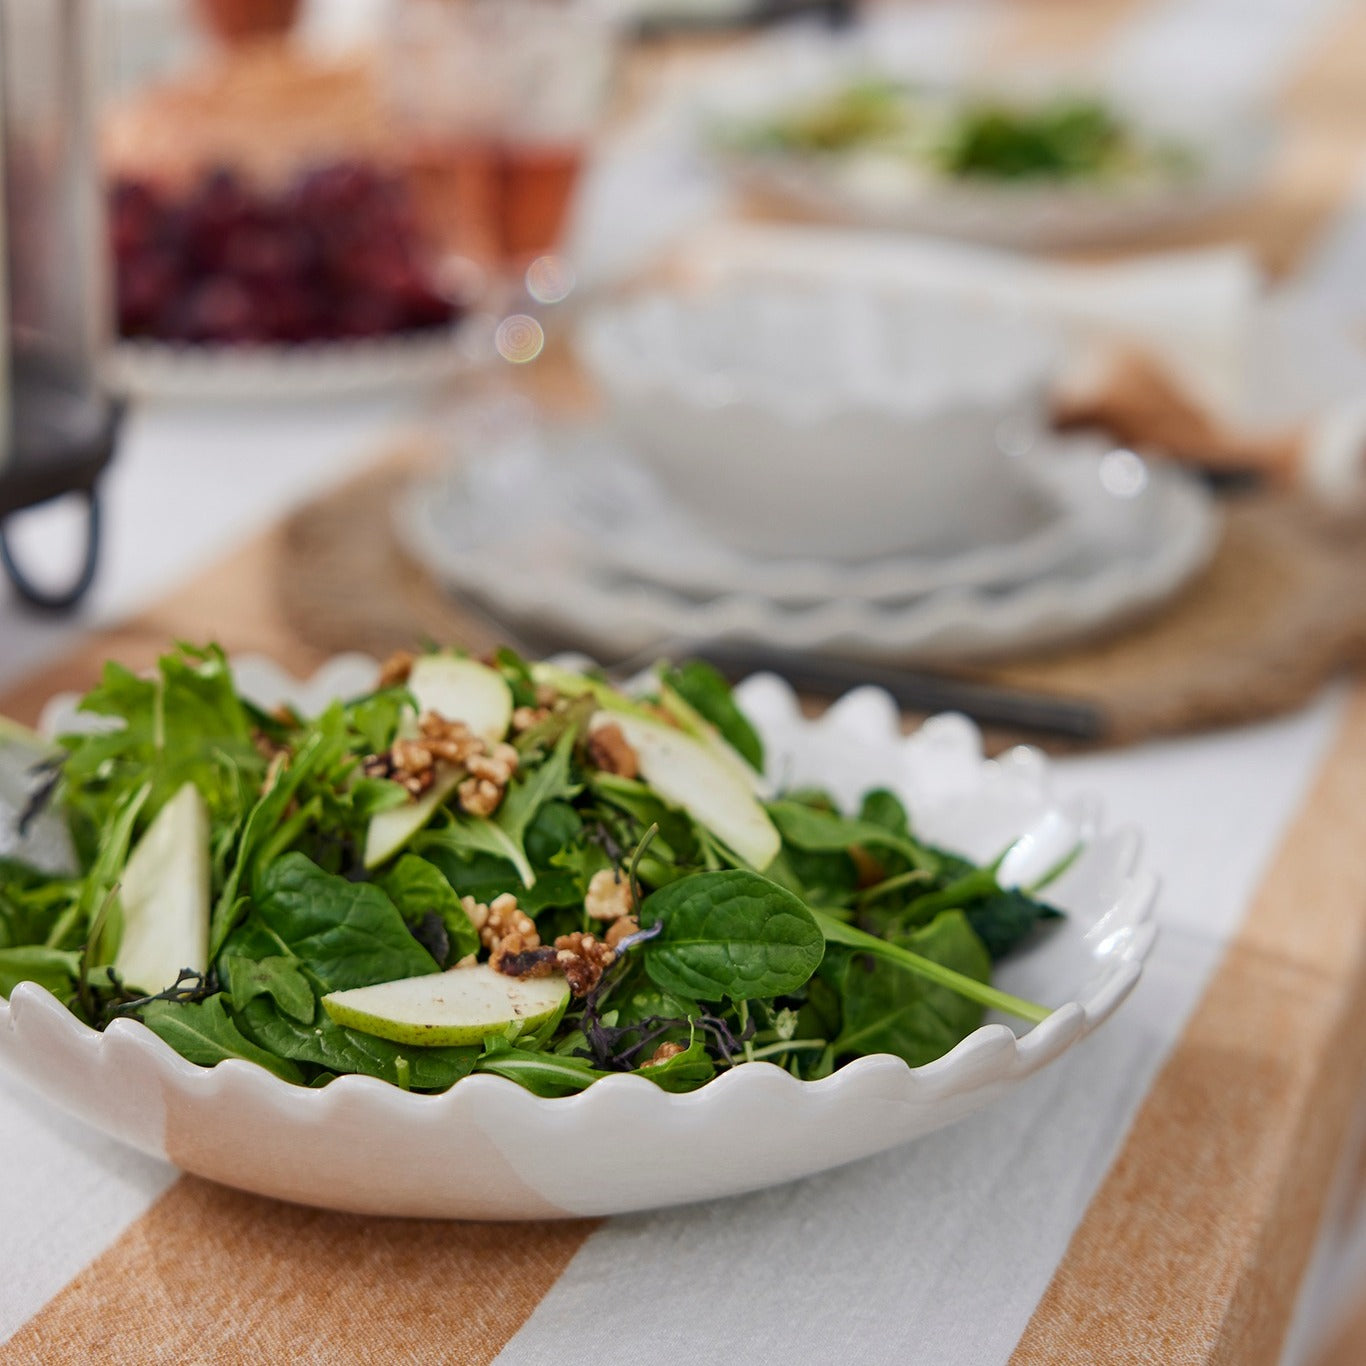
(463, 690)
(460, 690)
(701, 729)
(164, 895)
(391, 829)
(459, 1006)
(688, 773)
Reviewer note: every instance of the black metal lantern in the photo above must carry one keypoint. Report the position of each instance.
(57, 425)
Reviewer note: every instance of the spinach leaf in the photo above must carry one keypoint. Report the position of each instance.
(322, 1042)
(703, 688)
(685, 1071)
(278, 977)
(55, 969)
(347, 934)
(203, 1032)
(884, 808)
(1002, 918)
(729, 935)
(816, 831)
(889, 1010)
(483, 877)
(419, 888)
(555, 828)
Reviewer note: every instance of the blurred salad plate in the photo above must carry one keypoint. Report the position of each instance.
(1015, 167)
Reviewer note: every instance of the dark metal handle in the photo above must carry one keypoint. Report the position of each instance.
(61, 599)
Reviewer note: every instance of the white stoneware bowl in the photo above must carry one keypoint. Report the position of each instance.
(487, 1149)
(829, 424)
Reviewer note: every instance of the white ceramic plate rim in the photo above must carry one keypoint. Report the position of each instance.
(953, 624)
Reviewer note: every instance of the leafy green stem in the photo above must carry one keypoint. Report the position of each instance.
(836, 932)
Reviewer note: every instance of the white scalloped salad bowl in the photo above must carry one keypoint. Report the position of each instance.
(488, 1149)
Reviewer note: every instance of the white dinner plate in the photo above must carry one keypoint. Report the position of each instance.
(308, 370)
(1136, 534)
(488, 1149)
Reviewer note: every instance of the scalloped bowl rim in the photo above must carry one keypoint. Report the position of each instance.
(1036, 1047)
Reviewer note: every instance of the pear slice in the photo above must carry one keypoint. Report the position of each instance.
(391, 829)
(687, 772)
(459, 1006)
(701, 729)
(460, 690)
(164, 895)
(463, 690)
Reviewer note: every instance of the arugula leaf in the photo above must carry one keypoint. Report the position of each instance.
(544, 1074)
(889, 1010)
(31, 901)
(504, 834)
(203, 1032)
(55, 969)
(418, 888)
(703, 688)
(278, 977)
(816, 831)
(186, 724)
(260, 837)
(322, 1042)
(347, 934)
(730, 934)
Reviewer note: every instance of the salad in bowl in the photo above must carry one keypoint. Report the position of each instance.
(473, 880)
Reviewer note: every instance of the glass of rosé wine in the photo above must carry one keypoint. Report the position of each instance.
(498, 100)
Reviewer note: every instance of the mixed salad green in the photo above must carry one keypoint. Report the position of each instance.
(1073, 138)
(487, 866)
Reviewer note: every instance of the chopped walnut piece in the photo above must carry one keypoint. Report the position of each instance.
(621, 929)
(547, 695)
(416, 779)
(609, 895)
(582, 959)
(514, 957)
(396, 668)
(609, 750)
(663, 1053)
(523, 718)
(479, 796)
(500, 918)
(452, 741)
(482, 792)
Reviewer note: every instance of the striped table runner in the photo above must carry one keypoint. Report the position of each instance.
(1153, 1197)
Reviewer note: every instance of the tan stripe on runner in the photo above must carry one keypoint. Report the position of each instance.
(212, 1275)
(1195, 1246)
